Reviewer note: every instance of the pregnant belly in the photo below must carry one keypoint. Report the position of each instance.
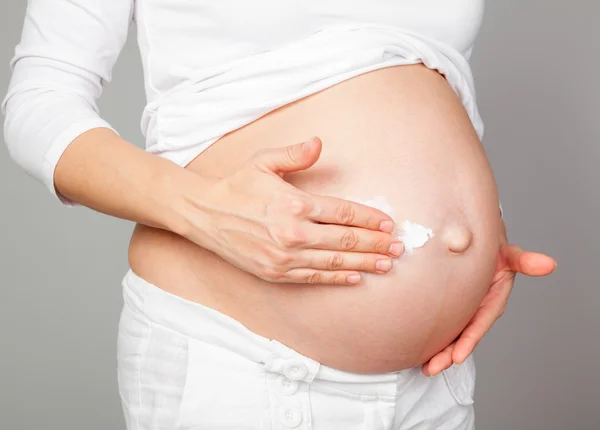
(399, 135)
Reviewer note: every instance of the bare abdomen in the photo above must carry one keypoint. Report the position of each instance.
(399, 133)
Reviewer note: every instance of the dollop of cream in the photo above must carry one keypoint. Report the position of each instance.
(413, 235)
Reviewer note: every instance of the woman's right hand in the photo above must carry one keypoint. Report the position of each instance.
(263, 225)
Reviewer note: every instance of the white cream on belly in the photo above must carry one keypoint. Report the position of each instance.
(413, 235)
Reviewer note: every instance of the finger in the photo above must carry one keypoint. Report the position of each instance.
(482, 321)
(288, 159)
(323, 277)
(333, 210)
(439, 362)
(337, 237)
(528, 263)
(332, 261)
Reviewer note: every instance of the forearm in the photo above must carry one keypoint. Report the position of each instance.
(104, 172)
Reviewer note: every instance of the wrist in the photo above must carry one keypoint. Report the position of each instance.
(180, 194)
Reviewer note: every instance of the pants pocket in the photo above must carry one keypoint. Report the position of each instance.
(151, 372)
(461, 381)
(222, 390)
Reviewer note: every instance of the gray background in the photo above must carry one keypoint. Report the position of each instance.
(535, 64)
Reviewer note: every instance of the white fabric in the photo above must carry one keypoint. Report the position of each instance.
(213, 66)
(184, 366)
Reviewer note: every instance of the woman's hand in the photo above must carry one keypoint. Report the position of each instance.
(265, 226)
(511, 260)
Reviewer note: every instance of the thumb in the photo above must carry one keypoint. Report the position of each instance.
(291, 158)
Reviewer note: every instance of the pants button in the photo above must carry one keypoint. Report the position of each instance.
(291, 416)
(286, 386)
(295, 370)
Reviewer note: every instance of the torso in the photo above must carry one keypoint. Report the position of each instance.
(398, 132)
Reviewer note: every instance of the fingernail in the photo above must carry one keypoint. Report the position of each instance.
(396, 249)
(306, 145)
(353, 279)
(386, 226)
(384, 265)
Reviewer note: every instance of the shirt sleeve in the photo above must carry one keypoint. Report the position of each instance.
(60, 66)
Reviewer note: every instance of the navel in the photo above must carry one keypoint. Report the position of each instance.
(457, 238)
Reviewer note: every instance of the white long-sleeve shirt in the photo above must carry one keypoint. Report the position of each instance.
(211, 67)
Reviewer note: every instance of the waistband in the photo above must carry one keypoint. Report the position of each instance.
(211, 326)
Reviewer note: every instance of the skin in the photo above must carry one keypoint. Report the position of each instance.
(141, 187)
(437, 176)
(102, 171)
(511, 261)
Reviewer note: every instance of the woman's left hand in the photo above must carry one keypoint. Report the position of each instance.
(511, 260)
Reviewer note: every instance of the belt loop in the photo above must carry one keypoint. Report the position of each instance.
(291, 364)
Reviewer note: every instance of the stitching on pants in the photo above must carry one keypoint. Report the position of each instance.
(396, 398)
(267, 400)
(326, 388)
(185, 383)
(143, 355)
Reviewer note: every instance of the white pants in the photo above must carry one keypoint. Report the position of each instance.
(182, 365)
